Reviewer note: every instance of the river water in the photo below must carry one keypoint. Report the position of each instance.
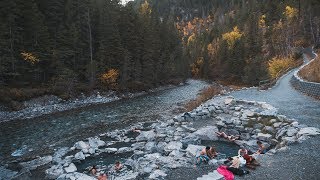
(23, 139)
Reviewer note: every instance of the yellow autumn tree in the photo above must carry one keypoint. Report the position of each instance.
(196, 67)
(278, 65)
(145, 8)
(232, 37)
(262, 21)
(110, 78)
(29, 57)
(290, 12)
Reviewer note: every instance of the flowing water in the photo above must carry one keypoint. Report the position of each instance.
(23, 139)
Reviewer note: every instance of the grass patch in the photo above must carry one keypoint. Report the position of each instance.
(203, 96)
(311, 72)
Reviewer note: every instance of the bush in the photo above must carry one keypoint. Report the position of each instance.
(277, 66)
(203, 96)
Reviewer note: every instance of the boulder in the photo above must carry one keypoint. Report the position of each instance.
(277, 124)
(173, 145)
(258, 126)
(128, 176)
(146, 136)
(292, 131)
(71, 168)
(150, 146)
(96, 142)
(269, 129)
(157, 174)
(54, 172)
(229, 101)
(264, 137)
(111, 150)
(138, 146)
(309, 131)
(124, 150)
(81, 145)
(6, 173)
(289, 140)
(79, 156)
(160, 146)
(207, 133)
(75, 176)
(194, 150)
(33, 164)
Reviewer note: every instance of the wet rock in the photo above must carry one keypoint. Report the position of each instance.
(194, 150)
(269, 129)
(75, 176)
(128, 176)
(258, 126)
(57, 156)
(150, 147)
(157, 174)
(81, 145)
(138, 146)
(173, 145)
(111, 150)
(96, 143)
(71, 168)
(31, 165)
(207, 133)
(291, 131)
(229, 101)
(124, 150)
(54, 172)
(79, 156)
(281, 133)
(264, 137)
(6, 173)
(309, 131)
(277, 124)
(289, 140)
(146, 136)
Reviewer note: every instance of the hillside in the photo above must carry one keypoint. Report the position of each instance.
(311, 72)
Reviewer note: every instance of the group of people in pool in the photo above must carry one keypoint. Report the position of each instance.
(103, 176)
(244, 157)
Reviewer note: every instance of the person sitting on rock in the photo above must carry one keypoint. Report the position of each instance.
(262, 148)
(235, 166)
(250, 161)
(118, 166)
(225, 136)
(204, 157)
(212, 153)
(93, 170)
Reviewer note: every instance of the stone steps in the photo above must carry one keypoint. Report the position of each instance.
(211, 176)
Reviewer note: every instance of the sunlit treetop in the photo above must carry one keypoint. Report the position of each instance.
(29, 57)
(232, 37)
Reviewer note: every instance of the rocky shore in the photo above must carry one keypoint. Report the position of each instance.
(164, 146)
(51, 104)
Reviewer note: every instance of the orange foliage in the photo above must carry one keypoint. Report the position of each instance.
(29, 57)
(196, 67)
(110, 77)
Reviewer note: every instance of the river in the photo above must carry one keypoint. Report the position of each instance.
(40, 136)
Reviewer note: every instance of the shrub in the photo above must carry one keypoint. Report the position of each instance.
(203, 96)
(278, 65)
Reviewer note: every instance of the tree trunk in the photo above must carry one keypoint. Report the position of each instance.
(90, 47)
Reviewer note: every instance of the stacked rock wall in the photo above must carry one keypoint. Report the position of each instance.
(306, 87)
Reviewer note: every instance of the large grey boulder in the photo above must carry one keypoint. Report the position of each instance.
(71, 168)
(81, 145)
(33, 164)
(173, 145)
(54, 172)
(150, 146)
(79, 156)
(6, 173)
(96, 142)
(292, 131)
(146, 136)
(157, 174)
(264, 137)
(194, 150)
(309, 131)
(207, 133)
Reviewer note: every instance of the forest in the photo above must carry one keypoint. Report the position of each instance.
(65, 47)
